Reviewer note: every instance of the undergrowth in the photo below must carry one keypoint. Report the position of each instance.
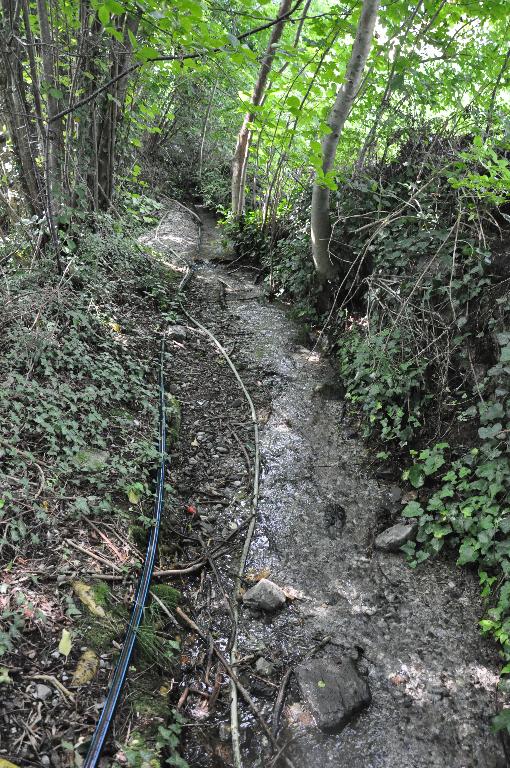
(79, 362)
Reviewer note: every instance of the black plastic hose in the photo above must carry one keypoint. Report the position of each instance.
(119, 676)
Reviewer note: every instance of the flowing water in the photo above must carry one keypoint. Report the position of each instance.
(412, 633)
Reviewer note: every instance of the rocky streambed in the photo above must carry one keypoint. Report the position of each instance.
(384, 666)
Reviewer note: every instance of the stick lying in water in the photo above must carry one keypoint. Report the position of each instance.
(207, 638)
(234, 716)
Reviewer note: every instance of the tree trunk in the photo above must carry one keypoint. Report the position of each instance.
(243, 140)
(320, 222)
(54, 138)
(113, 111)
(14, 106)
(204, 130)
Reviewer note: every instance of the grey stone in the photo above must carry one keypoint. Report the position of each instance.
(395, 493)
(335, 693)
(264, 667)
(42, 692)
(393, 538)
(265, 595)
(177, 333)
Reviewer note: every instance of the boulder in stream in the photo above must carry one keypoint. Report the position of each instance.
(335, 693)
(264, 596)
(177, 333)
(395, 537)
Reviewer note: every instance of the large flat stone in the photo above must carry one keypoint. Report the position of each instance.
(395, 537)
(335, 693)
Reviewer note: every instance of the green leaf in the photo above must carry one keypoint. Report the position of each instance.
(146, 52)
(321, 684)
(488, 433)
(103, 13)
(115, 7)
(132, 38)
(502, 721)
(134, 496)
(468, 553)
(505, 354)
(4, 676)
(416, 475)
(413, 509)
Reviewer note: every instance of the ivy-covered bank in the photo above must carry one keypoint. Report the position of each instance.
(79, 421)
(419, 322)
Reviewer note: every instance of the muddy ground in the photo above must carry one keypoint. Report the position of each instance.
(412, 635)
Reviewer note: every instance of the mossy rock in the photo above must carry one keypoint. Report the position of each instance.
(92, 461)
(100, 634)
(168, 595)
(102, 593)
(138, 535)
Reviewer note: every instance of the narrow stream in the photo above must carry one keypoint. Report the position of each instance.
(413, 635)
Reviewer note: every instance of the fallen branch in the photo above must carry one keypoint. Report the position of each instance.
(280, 700)
(105, 538)
(206, 637)
(58, 685)
(234, 718)
(95, 556)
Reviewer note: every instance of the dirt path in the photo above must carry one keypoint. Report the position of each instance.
(412, 635)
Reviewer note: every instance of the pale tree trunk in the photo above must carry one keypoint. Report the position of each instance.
(14, 106)
(320, 222)
(113, 113)
(54, 140)
(244, 138)
(204, 130)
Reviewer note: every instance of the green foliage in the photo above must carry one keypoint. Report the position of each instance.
(146, 752)
(247, 236)
(78, 396)
(484, 171)
(389, 391)
(468, 507)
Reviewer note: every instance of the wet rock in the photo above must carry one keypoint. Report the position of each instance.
(395, 493)
(264, 667)
(393, 538)
(177, 333)
(265, 596)
(42, 692)
(385, 473)
(335, 693)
